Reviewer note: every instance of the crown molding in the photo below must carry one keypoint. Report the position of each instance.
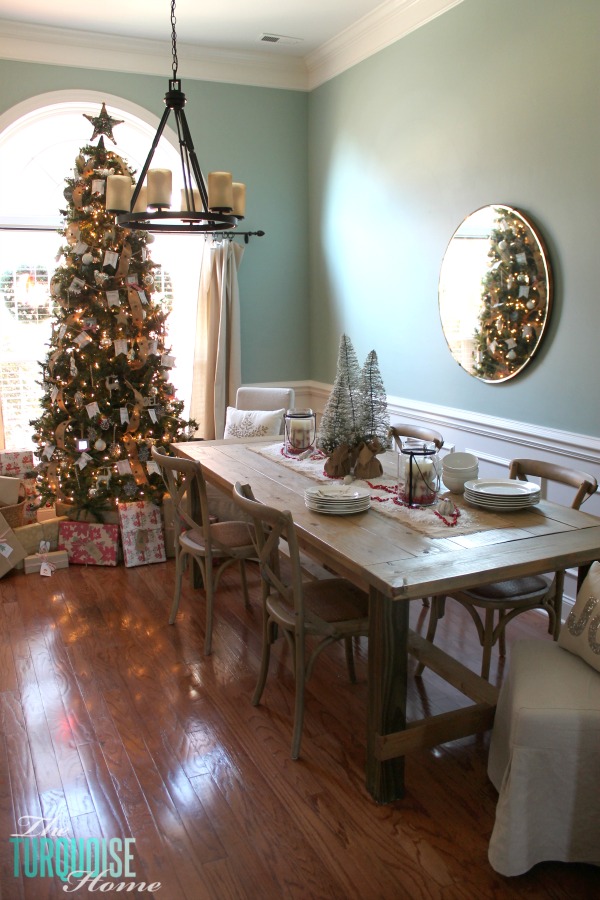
(88, 50)
(388, 23)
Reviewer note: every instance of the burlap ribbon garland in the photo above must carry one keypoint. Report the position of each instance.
(135, 304)
(124, 261)
(59, 433)
(52, 476)
(137, 469)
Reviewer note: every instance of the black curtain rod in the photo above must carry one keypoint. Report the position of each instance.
(230, 235)
(214, 234)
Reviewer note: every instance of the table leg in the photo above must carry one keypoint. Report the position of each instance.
(388, 660)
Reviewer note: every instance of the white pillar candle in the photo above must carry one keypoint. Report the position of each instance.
(300, 433)
(239, 199)
(159, 187)
(141, 204)
(118, 193)
(197, 200)
(220, 190)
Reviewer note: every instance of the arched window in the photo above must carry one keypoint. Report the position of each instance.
(39, 140)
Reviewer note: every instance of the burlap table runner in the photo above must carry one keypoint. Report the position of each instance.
(384, 498)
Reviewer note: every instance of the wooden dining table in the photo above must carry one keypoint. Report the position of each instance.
(396, 563)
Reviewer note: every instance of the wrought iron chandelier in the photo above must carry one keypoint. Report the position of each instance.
(148, 207)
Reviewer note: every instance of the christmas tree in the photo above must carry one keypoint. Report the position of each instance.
(355, 422)
(514, 302)
(376, 419)
(106, 392)
(342, 419)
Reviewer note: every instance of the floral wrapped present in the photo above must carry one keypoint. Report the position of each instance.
(32, 500)
(89, 544)
(16, 463)
(141, 533)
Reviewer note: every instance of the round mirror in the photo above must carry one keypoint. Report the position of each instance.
(495, 293)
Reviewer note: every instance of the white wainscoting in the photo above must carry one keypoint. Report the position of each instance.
(494, 441)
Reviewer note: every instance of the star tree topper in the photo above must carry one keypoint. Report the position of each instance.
(103, 124)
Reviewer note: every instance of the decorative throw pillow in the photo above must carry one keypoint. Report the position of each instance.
(581, 632)
(245, 423)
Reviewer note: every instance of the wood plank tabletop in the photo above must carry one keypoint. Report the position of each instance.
(393, 561)
(389, 555)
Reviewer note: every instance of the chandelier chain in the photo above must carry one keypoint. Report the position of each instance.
(174, 39)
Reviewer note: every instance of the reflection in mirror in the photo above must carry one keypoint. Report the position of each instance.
(495, 293)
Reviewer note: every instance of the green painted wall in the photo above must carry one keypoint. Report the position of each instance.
(489, 103)
(260, 134)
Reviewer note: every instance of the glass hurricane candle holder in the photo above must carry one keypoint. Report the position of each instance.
(300, 431)
(419, 473)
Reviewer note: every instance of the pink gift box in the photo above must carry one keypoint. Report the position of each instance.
(89, 544)
(16, 463)
(141, 533)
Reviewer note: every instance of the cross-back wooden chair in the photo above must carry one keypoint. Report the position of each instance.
(401, 430)
(493, 606)
(213, 545)
(326, 610)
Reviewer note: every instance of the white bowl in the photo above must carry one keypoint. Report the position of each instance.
(456, 483)
(455, 471)
(461, 461)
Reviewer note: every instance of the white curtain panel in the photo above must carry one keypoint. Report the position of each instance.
(217, 357)
(2, 444)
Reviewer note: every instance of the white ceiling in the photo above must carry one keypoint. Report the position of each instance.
(216, 39)
(224, 24)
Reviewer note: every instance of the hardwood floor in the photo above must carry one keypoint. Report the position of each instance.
(114, 724)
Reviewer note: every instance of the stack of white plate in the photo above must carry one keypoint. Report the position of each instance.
(503, 495)
(337, 500)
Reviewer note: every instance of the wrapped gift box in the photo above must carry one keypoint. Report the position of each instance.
(56, 558)
(30, 536)
(16, 463)
(9, 490)
(32, 500)
(11, 550)
(141, 533)
(89, 544)
(44, 513)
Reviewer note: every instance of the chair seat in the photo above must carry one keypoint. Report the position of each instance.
(544, 760)
(233, 535)
(332, 600)
(511, 589)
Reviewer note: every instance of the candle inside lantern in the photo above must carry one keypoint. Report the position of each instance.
(118, 193)
(239, 199)
(419, 477)
(141, 204)
(220, 191)
(300, 430)
(300, 433)
(187, 203)
(159, 187)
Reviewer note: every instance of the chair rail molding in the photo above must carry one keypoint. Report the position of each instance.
(494, 440)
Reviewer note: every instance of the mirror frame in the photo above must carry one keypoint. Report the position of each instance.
(529, 311)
